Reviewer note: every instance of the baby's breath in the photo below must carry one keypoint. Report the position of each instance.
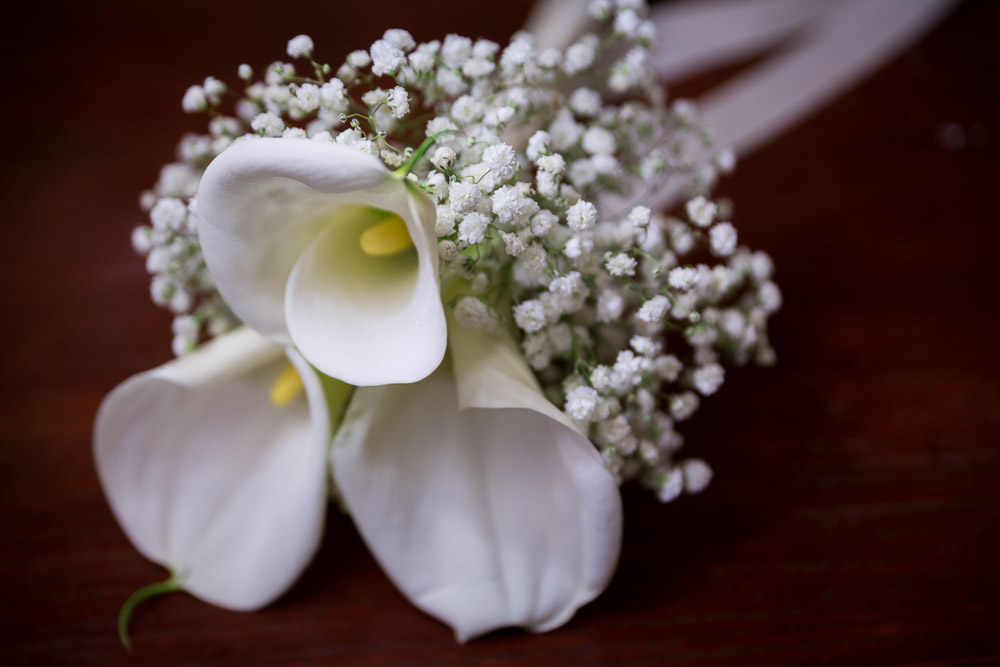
(623, 316)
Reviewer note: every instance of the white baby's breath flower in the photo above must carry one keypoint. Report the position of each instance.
(610, 306)
(511, 205)
(514, 244)
(278, 73)
(517, 54)
(620, 265)
(268, 124)
(194, 100)
(707, 379)
(300, 46)
(580, 55)
(168, 214)
(443, 157)
(399, 101)
(644, 345)
(374, 98)
(683, 278)
(333, 96)
(447, 250)
(723, 239)
(142, 239)
(581, 403)
(444, 224)
(701, 211)
(697, 475)
(307, 96)
(534, 258)
(554, 164)
(463, 196)
(501, 160)
(401, 39)
(654, 309)
(386, 58)
(564, 131)
(467, 109)
(598, 141)
(476, 68)
(585, 102)
(473, 313)
(668, 367)
(359, 59)
(581, 216)
(450, 81)
(542, 222)
(214, 89)
(421, 61)
(671, 486)
(456, 50)
(530, 315)
(472, 229)
(538, 145)
(639, 216)
(627, 23)
(484, 48)
(770, 297)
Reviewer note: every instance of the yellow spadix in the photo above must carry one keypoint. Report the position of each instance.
(286, 387)
(385, 238)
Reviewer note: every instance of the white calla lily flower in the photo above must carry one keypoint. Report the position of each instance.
(210, 478)
(319, 245)
(482, 501)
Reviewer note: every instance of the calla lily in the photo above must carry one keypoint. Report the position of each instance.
(319, 245)
(208, 477)
(481, 500)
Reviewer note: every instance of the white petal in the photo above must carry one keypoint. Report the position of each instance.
(485, 517)
(366, 320)
(273, 213)
(209, 478)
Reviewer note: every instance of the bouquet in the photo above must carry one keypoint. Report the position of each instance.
(422, 283)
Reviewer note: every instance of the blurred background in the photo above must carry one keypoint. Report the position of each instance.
(854, 514)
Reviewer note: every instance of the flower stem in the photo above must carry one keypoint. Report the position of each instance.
(171, 585)
(408, 166)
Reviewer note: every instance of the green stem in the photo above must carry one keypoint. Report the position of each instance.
(408, 166)
(338, 396)
(171, 585)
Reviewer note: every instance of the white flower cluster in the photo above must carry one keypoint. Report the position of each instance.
(180, 281)
(626, 317)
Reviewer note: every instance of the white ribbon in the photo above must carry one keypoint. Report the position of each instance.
(832, 45)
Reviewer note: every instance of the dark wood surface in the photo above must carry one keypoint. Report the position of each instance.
(855, 511)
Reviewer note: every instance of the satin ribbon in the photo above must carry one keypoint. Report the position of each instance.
(828, 47)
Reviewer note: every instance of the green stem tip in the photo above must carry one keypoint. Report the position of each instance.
(415, 158)
(171, 585)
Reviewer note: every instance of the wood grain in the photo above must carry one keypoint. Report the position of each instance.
(854, 515)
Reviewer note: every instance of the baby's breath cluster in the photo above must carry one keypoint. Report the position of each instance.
(180, 281)
(626, 316)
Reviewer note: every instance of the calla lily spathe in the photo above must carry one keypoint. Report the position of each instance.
(280, 222)
(480, 499)
(209, 478)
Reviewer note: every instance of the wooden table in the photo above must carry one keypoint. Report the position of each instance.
(854, 514)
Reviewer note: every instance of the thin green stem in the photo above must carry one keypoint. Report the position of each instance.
(170, 585)
(408, 166)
